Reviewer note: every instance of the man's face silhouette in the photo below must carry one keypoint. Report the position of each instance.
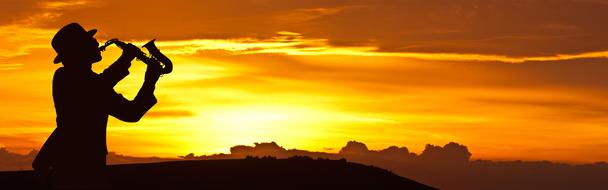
(91, 50)
(85, 53)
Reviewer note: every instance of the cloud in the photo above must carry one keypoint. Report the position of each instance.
(579, 109)
(510, 30)
(169, 113)
(115, 158)
(429, 30)
(11, 161)
(446, 167)
(451, 152)
(18, 40)
(14, 161)
(291, 43)
(260, 149)
(354, 147)
(16, 10)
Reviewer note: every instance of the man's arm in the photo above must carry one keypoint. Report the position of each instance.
(120, 68)
(133, 111)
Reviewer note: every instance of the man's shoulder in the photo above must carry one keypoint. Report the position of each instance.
(63, 75)
(60, 72)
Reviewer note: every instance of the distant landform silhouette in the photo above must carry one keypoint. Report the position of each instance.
(444, 167)
(297, 172)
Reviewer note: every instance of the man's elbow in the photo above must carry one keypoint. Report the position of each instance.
(132, 119)
(133, 113)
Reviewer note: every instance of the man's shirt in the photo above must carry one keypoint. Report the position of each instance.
(83, 101)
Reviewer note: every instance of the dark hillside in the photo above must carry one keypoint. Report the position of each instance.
(250, 173)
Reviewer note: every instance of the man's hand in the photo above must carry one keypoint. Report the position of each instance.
(153, 72)
(152, 75)
(129, 52)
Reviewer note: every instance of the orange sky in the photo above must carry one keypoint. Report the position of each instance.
(509, 79)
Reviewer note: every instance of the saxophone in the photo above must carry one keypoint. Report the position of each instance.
(155, 58)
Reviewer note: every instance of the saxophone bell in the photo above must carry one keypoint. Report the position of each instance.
(167, 65)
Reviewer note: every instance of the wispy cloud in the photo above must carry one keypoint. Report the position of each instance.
(20, 40)
(169, 113)
(10, 66)
(62, 4)
(292, 43)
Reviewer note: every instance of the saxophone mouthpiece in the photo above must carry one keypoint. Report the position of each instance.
(108, 43)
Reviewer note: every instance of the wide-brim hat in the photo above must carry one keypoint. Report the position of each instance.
(70, 37)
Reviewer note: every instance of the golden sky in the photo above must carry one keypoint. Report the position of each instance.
(509, 79)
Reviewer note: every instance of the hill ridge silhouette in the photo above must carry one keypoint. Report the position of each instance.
(444, 167)
(298, 172)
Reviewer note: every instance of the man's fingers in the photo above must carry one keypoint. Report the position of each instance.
(131, 48)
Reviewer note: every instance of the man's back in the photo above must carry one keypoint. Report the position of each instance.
(82, 114)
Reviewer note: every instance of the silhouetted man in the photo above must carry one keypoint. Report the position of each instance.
(75, 153)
